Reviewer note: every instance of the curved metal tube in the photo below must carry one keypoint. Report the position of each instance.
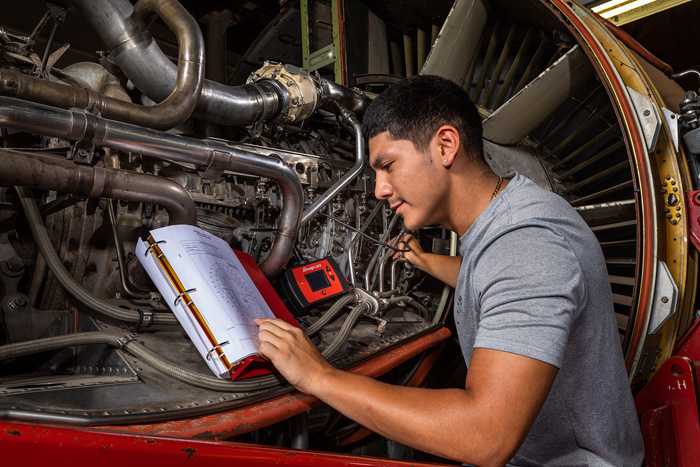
(53, 261)
(209, 155)
(369, 272)
(318, 203)
(332, 92)
(51, 173)
(177, 105)
(140, 58)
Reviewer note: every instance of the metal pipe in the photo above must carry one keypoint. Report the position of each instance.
(140, 58)
(37, 279)
(51, 173)
(47, 47)
(357, 236)
(373, 261)
(382, 268)
(318, 203)
(58, 269)
(177, 105)
(331, 92)
(394, 264)
(214, 157)
(127, 286)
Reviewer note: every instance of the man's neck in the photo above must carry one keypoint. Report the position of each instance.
(470, 194)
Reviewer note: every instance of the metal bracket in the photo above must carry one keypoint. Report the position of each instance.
(369, 299)
(665, 299)
(83, 150)
(672, 122)
(648, 118)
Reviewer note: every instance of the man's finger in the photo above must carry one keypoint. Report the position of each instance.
(274, 329)
(266, 335)
(281, 324)
(268, 350)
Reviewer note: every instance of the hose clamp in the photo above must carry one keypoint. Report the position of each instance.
(362, 296)
(123, 341)
(145, 319)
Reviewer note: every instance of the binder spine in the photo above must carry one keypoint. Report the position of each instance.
(183, 295)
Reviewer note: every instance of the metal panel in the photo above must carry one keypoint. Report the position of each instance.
(457, 44)
(527, 109)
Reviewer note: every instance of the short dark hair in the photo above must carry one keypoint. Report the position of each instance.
(415, 108)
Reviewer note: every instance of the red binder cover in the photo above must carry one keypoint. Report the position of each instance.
(256, 365)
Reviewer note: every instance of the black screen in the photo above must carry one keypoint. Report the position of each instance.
(317, 280)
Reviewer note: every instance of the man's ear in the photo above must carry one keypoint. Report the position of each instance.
(448, 142)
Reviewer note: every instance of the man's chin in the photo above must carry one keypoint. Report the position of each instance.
(410, 222)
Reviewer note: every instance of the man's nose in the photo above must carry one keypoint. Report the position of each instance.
(382, 188)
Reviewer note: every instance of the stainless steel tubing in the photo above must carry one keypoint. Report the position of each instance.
(213, 156)
(357, 236)
(331, 92)
(394, 264)
(178, 103)
(382, 267)
(369, 272)
(51, 173)
(140, 58)
(318, 203)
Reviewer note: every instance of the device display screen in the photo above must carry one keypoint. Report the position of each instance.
(317, 280)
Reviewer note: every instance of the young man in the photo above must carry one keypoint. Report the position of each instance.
(546, 383)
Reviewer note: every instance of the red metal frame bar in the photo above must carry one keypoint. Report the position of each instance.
(23, 444)
(668, 410)
(668, 407)
(416, 380)
(253, 417)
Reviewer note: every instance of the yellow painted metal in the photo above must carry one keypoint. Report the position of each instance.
(668, 165)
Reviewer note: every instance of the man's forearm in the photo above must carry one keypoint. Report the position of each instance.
(433, 421)
(442, 267)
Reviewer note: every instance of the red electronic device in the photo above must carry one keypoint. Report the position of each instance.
(312, 283)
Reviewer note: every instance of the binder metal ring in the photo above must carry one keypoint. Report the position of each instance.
(213, 349)
(151, 245)
(182, 294)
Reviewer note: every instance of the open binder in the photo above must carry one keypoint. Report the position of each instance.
(216, 331)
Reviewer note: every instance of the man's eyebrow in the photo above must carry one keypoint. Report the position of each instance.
(377, 162)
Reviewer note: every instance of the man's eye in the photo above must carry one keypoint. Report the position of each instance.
(387, 166)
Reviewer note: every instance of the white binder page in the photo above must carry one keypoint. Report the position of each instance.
(181, 312)
(225, 294)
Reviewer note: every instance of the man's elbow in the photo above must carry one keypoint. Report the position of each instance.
(496, 451)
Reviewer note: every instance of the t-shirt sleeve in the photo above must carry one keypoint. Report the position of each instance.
(530, 288)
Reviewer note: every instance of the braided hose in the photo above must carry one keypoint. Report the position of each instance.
(152, 359)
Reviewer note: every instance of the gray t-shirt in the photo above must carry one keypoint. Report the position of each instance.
(533, 282)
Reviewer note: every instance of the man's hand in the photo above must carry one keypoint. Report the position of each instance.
(442, 267)
(415, 255)
(293, 354)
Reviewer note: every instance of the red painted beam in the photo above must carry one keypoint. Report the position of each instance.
(28, 445)
(255, 416)
(668, 410)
